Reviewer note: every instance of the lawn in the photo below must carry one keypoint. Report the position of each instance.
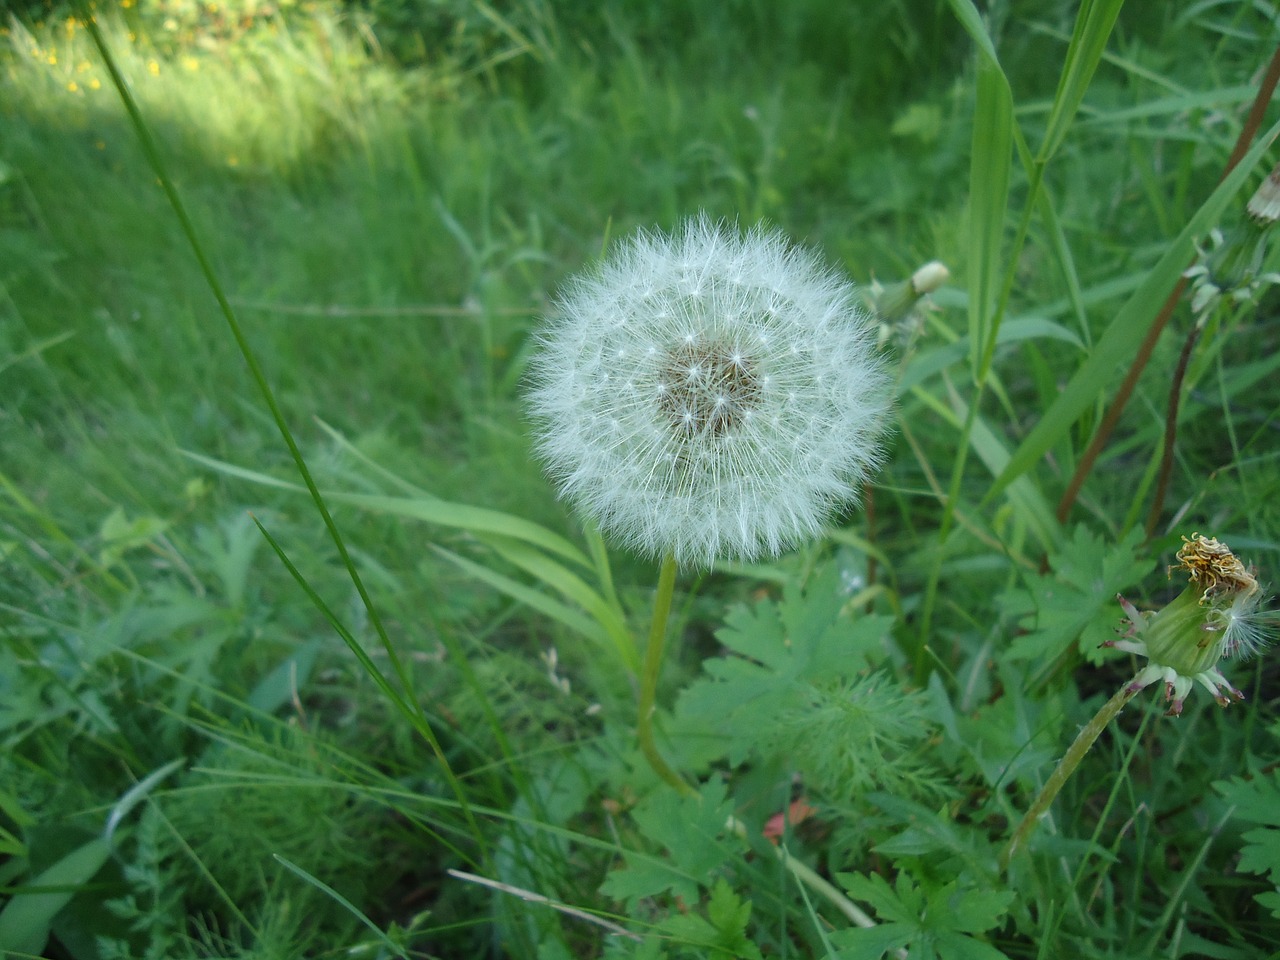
(325, 630)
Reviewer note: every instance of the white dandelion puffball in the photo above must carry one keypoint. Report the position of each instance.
(707, 394)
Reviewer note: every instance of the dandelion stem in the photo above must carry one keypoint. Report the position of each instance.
(1066, 766)
(649, 676)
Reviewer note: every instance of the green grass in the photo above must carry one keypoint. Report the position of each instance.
(390, 196)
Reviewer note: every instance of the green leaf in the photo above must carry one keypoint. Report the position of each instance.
(728, 912)
(473, 519)
(26, 919)
(929, 363)
(777, 653)
(1258, 801)
(870, 943)
(724, 937)
(285, 679)
(572, 588)
(929, 923)
(933, 833)
(1024, 497)
(690, 830)
(119, 534)
(430, 509)
(1261, 853)
(1077, 601)
(530, 597)
(951, 946)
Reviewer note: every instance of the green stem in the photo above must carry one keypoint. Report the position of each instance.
(649, 673)
(1066, 766)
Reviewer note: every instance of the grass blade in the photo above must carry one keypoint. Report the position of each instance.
(1088, 42)
(527, 595)
(990, 169)
(1126, 330)
(445, 513)
(338, 898)
(573, 588)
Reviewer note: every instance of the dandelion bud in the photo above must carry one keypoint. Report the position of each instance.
(1218, 615)
(708, 395)
(897, 301)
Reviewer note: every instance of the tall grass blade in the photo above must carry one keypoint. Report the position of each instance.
(528, 596)
(1088, 43)
(445, 513)
(1125, 332)
(990, 168)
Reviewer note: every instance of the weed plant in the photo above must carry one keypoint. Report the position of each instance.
(238, 723)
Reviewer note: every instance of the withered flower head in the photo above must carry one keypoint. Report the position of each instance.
(1220, 614)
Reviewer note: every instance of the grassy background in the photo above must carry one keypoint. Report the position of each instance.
(390, 193)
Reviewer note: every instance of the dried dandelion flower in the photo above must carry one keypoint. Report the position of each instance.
(707, 394)
(1220, 614)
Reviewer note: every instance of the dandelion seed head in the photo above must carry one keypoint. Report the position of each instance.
(755, 403)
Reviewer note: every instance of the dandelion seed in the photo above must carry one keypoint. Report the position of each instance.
(758, 399)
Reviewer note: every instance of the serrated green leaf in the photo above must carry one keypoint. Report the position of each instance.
(1271, 901)
(690, 830)
(955, 946)
(1261, 853)
(1076, 601)
(973, 911)
(724, 937)
(870, 943)
(887, 903)
(1256, 800)
(729, 912)
(778, 652)
(924, 922)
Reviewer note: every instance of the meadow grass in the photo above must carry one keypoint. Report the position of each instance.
(389, 200)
